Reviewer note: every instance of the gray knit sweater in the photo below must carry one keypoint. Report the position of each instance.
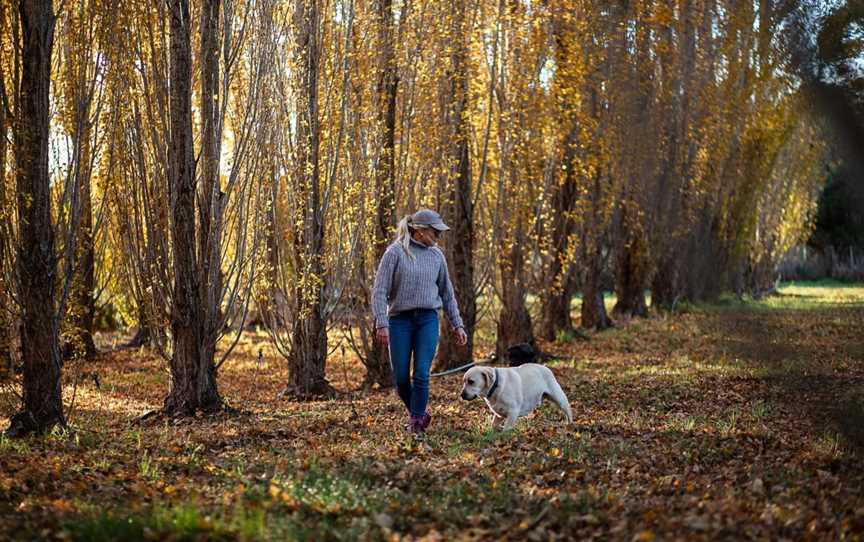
(403, 283)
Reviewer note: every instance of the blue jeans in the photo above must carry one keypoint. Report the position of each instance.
(414, 331)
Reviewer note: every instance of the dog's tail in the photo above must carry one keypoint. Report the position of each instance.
(558, 397)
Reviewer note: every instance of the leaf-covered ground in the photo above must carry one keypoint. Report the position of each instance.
(741, 420)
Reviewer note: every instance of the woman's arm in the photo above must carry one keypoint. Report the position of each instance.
(383, 282)
(448, 297)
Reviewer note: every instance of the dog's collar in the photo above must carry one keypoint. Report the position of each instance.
(494, 385)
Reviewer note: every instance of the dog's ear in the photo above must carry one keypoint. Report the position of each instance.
(487, 378)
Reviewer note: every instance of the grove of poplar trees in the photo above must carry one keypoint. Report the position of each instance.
(190, 168)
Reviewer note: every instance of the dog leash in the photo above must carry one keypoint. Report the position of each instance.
(449, 371)
(456, 370)
(463, 367)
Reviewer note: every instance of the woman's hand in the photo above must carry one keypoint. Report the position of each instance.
(383, 335)
(461, 336)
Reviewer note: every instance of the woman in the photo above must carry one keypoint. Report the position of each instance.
(412, 283)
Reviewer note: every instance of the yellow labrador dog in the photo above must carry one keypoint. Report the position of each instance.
(514, 392)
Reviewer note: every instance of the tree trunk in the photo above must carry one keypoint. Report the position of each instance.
(514, 321)
(556, 297)
(594, 314)
(703, 257)
(307, 363)
(593, 307)
(144, 334)
(42, 400)
(555, 312)
(5, 237)
(77, 330)
(211, 198)
(272, 304)
(193, 376)
(459, 247)
(664, 287)
(79, 340)
(558, 292)
(630, 288)
(378, 369)
(308, 359)
(762, 278)
(632, 264)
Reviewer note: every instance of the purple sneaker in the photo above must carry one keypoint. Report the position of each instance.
(417, 426)
(425, 420)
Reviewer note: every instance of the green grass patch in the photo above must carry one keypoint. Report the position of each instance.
(9, 445)
(325, 491)
(181, 523)
(791, 296)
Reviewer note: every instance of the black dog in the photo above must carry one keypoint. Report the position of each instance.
(522, 353)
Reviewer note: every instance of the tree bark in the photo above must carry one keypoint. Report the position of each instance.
(513, 202)
(81, 89)
(762, 278)
(378, 369)
(5, 237)
(144, 334)
(703, 257)
(42, 398)
(632, 268)
(459, 247)
(630, 288)
(664, 287)
(193, 376)
(514, 321)
(555, 312)
(272, 304)
(558, 292)
(210, 195)
(594, 314)
(308, 357)
(80, 338)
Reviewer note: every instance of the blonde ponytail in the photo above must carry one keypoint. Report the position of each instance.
(403, 235)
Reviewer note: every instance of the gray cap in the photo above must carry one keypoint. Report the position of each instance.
(428, 217)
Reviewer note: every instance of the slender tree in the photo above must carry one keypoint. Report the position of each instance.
(515, 89)
(138, 106)
(459, 194)
(210, 196)
(308, 355)
(193, 374)
(558, 283)
(7, 261)
(378, 369)
(42, 406)
(81, 42)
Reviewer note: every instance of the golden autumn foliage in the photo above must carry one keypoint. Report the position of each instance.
(575, 147)
(223, 177)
